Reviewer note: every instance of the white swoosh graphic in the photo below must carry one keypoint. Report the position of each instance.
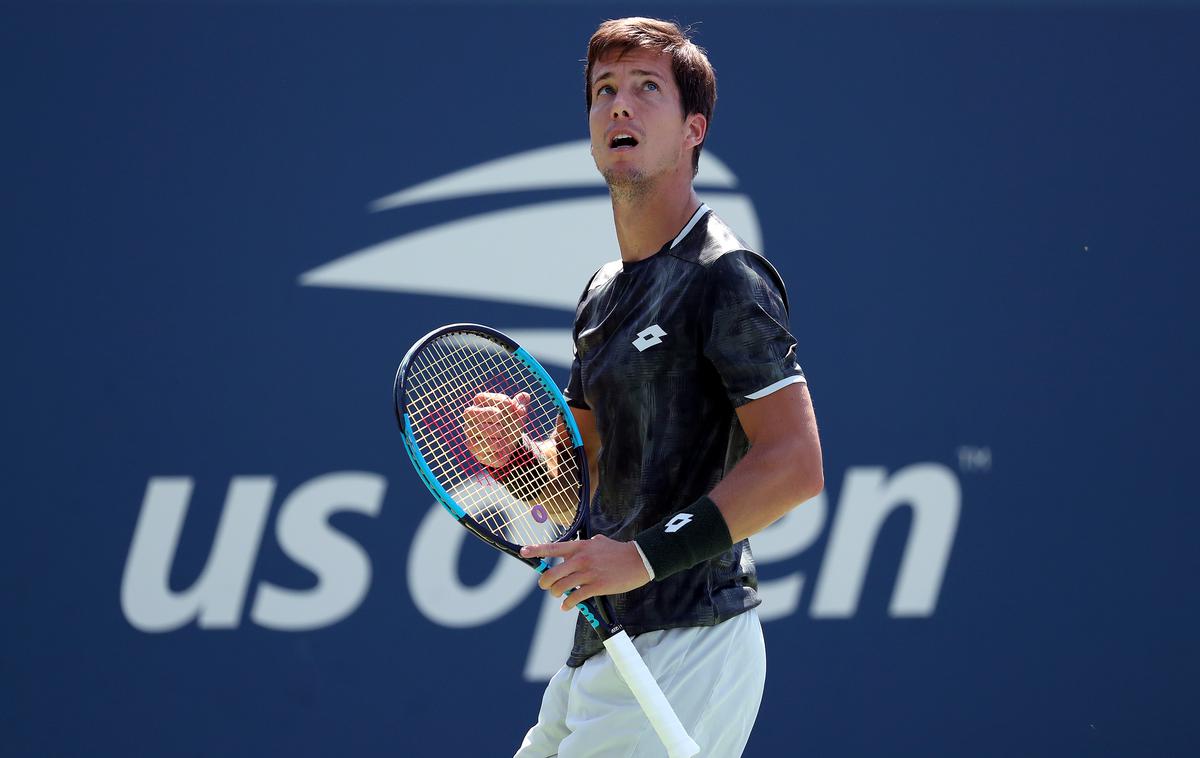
(555, 167)
(540, 254)
(550, 346)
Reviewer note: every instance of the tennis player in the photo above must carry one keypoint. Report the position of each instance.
(694, 413)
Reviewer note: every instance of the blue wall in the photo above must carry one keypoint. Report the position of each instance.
(987, 221)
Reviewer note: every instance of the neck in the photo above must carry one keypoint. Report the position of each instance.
(649, 219)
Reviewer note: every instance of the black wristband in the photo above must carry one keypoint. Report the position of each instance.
(682, 540)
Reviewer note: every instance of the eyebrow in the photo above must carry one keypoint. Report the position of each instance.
(636, 72)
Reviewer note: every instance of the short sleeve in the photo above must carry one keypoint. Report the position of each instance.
(573, 392)
(746, 336)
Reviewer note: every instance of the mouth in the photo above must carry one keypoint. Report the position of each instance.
(622, 141)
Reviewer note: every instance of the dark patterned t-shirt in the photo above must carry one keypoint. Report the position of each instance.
(666, 349)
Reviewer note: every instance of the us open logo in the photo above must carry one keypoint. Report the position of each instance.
(575, 232)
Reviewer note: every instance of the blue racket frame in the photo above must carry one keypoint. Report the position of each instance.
(595, 613)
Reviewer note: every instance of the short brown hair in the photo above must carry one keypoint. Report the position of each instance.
(694, 75)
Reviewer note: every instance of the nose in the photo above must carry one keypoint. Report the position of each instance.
(620, 106)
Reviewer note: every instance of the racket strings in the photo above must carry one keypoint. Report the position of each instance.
(489, 504)
(442, 383)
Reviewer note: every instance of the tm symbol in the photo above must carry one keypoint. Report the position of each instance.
(973, 459)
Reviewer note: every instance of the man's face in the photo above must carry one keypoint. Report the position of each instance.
(637, 126)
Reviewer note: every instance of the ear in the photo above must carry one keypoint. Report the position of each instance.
(695, 129)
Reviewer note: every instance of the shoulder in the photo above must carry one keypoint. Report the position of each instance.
(603, 276)
(598, 279)
(707, 242)
(594, 287)
(728, 262)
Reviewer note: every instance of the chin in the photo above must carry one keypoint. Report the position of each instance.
(623, 175)
(629, 188)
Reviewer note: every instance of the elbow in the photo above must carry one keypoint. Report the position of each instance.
(808, 479)
(817, 484)
(809, 484)
(793, 473)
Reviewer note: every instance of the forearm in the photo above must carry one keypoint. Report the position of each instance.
(765, 484)
(768, 482)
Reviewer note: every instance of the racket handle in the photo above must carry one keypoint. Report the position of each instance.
(650, 696)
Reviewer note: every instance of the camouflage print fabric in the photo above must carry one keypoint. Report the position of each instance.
(666, 349)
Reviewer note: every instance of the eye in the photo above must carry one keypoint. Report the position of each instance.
(605, 89)
(652, 86)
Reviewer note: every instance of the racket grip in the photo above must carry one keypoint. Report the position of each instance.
(650, 696)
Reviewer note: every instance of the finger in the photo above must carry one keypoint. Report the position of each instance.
(497, 442)
(495, 399)
(511, 407)
(483, 433)
(473, 422)
(492, 421)
(567, 583)
(485, 430)
(549, 576)
(576, 597)
(550, 550)
(482, 414)
(563, 576)
(501, 445)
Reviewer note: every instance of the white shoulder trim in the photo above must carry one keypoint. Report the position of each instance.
(695, 217)
(776, 387)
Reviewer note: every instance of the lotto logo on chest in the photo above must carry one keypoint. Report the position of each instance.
(649, 337)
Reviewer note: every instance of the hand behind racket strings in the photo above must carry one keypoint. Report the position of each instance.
(466, 389)
(494, 428)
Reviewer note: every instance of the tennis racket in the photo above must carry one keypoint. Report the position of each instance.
(530, 500)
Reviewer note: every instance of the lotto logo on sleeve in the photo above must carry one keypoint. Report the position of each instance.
(678, 521)
(649, 337)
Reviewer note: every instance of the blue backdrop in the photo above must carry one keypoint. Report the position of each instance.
(223, 225)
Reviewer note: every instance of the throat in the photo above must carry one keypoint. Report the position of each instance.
(651, 222)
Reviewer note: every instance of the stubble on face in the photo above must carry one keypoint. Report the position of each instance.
(631, 185)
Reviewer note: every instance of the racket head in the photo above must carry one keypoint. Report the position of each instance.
(436, 382)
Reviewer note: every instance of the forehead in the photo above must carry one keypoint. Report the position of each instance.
(617, 62)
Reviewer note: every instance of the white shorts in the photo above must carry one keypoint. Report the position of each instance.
(712, 675)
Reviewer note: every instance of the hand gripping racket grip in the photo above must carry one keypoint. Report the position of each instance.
(662, 716)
